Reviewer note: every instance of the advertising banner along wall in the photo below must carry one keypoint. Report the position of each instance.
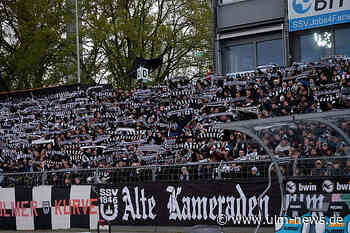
(320, 205)
(181, 204)
(187, 204)
(307, 14)
(48, 207)
(154, 204)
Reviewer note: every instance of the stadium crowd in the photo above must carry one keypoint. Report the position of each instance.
(85, 127)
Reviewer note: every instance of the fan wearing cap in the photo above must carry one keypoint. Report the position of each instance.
(254, 172)
(325, 150)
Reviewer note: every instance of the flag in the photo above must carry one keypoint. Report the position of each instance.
(150, 64)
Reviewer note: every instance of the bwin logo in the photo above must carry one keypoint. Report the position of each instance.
(298, 6)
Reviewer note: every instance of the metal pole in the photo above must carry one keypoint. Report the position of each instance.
(77, 39)
(275, 161)
(285, 35)
(262, 195)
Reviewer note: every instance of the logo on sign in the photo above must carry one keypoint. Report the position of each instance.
(109, 204)
(307, 188)
(109, 212)
(302, 6)
(328, 186)
(343, 187)
(291, 187)
(46, 207)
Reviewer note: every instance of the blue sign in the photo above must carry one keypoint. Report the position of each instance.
(299, 7)
(308, 14)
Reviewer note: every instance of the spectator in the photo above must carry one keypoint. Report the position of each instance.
(283, 148)
(347, 168)
(185, 175)
(54, 179)
(179, 117)
(318, 169)
(67, 179)
(77, 180)
(255, 172)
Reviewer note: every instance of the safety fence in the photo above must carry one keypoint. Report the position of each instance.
(334, 166)
(193, 172)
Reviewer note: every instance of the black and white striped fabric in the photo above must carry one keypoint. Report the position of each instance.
(120, 138)
(189, 102)
(191, 146)
(48, 207)
(182, 93)
(212, 133)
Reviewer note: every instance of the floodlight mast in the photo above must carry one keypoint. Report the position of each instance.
(77, 39)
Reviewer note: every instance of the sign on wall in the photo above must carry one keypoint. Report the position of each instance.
(154, 204)
(317, 191)
(320, 203)
(187, 204)
(48, 207)
(307, 14)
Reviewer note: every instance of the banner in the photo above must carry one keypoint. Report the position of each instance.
(155, 204)
(318, 185)
(48, 208)
(307, 14)
(320, 204)
(187, 204)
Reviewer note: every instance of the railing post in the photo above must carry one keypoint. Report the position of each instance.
(2, 177)
(274, 160)
(43, 178)
(295, 164)
(96, 178)
(219, 174)
(219, 170)
(154, 175)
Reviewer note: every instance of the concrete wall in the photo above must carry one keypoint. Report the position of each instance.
(249, 12)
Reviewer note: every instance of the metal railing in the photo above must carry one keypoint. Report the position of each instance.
(322, 166)
(243, 170)
(190, 172)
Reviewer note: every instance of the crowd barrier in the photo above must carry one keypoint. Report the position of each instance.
(195, 172)
(224, 203)
(30, 201)
(191, 172)
(153, 204)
